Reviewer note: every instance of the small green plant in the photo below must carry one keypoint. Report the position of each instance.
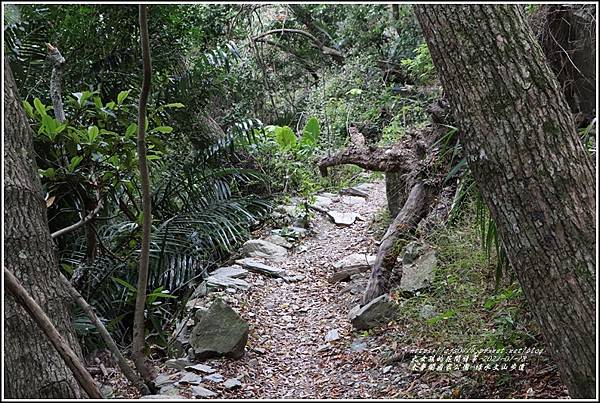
(421, 66)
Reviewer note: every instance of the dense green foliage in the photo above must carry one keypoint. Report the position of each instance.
(240, 110)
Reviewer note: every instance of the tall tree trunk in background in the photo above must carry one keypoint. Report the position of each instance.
(530, 167)
(32, 367)
(139, 336)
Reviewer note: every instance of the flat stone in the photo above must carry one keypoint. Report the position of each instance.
(234, 271)
(358, 346)
(163, 380)
(190, 379)
(206, 369)
(201, 391)
(411, 252)
(356, 261)
(279, 240)
(376, 312)
(332, 335)
(323, 347)
(293, 278)
(353, 200)
(322, 202)
(260, 267)
(341, 218)
(215, 378)
(232, 383)
(262, 248)
(177, 363)
(226, 282)
(354, 191)
(221, 332)
(419, 274)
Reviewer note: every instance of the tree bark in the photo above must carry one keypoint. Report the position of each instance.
(530, 166)
(69, 357)
(139, 336)
(32, 367)
(406, 221)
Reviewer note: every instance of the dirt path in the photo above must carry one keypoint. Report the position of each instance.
(287, 355)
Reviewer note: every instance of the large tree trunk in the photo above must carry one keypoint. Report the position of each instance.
(32, 367)
(530, 166)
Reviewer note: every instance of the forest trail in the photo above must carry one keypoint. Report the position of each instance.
(290, 353)
(287, 353)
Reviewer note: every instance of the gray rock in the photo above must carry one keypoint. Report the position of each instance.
(164, 380)
(200, 291)
(298, 231)
(427, 312)
(341, 218)
(358, 346)
(177, 363)
(232, 383)
(260, 267)
(356, 261)
(293, 278)
(323, 347)
(190, 379)
(234, 271)
(329, 195)
(411, 251)
(199, 314)
(214, 378)
(332, 335)
(322, 202)
(221, 332)
(262, 248)
(364, 187)
(220, 282)
(201, 391)
(420, 273)
(169, 390)
(353, 200)
(201, 368)
(354, 191)
(376, 312)
(279, 240)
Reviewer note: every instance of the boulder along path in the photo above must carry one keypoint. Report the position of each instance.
(301, 343)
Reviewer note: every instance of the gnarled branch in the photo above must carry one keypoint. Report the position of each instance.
(390, 159)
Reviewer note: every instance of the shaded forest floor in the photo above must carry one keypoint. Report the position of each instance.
(302, 345)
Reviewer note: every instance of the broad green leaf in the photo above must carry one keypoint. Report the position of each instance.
(48, 173)
(354, 91)
(174, 105)
(121, 97)
(311, 132)
(110, 105)
(28, 109)
(92, 134)
(74, 163)
(285, 137)
(131, 130)
(39, 106)
(163, 129)
(98, 102)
